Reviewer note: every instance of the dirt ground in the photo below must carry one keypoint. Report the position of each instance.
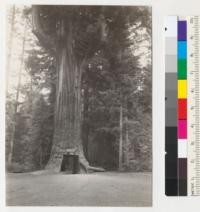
(96, 189)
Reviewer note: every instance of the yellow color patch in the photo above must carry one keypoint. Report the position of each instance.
(182, 89)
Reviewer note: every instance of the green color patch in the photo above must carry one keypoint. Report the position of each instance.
(182, 69)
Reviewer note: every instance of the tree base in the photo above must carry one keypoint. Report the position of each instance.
(56, 165)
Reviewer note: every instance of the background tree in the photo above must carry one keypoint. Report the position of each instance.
(114, 80)
(36, 79)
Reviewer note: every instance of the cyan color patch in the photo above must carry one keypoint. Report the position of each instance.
(182, 49)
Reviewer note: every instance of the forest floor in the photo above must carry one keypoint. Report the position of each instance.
(96, 189)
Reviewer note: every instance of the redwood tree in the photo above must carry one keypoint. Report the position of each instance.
(74, 34)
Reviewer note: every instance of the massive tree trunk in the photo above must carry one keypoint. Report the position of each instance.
(68, 108)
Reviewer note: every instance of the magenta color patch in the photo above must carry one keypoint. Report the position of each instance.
(182, 129)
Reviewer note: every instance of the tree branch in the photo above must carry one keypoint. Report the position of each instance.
(46, 41)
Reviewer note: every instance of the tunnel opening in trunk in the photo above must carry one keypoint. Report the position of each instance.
(70, 164)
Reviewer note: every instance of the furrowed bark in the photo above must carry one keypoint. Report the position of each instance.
(68, 110)
(68, 106)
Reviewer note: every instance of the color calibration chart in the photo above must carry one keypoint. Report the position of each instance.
(182, 106)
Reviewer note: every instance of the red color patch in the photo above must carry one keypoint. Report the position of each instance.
(182, 109)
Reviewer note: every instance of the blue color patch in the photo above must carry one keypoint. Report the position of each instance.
(182, 49)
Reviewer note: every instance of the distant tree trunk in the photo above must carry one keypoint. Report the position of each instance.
(41, 157)
(121, 138)
(126, 142)
(85, 125)
(10, 154)
(68, 107)
(9, 49)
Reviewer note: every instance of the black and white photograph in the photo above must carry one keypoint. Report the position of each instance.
(78, 109)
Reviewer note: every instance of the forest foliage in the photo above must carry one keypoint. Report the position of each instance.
(118, 74)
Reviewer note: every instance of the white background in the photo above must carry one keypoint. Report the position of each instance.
(160, 9)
